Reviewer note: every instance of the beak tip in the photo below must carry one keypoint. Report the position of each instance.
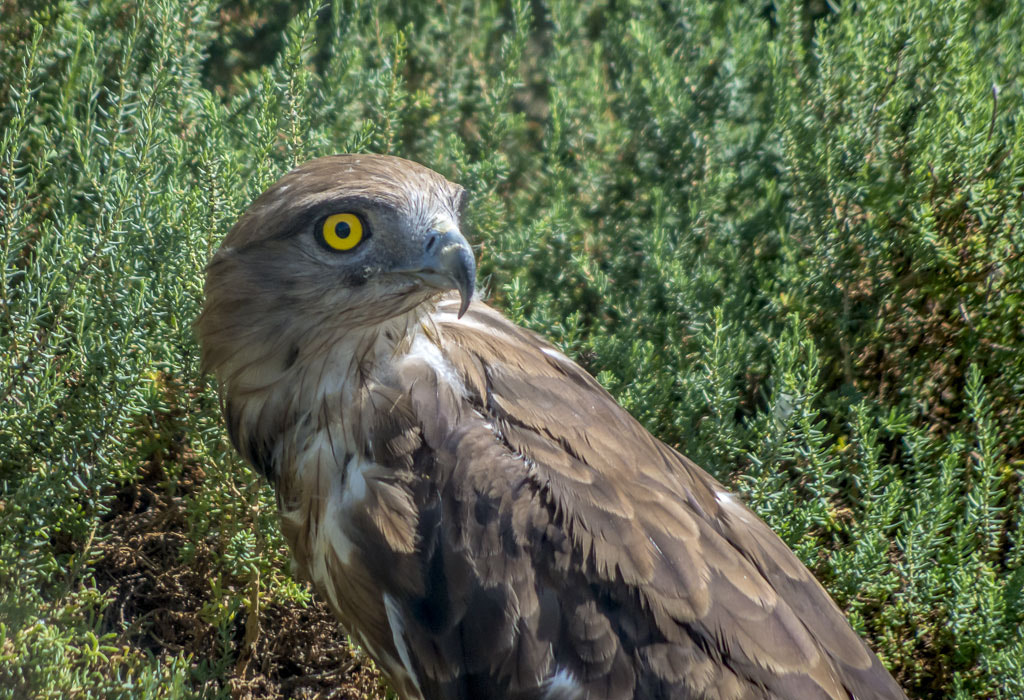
(465, 301)
(463, 268)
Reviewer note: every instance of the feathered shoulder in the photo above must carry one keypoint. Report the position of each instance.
(655, 575)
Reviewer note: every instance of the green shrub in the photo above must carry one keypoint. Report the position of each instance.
(787, 237)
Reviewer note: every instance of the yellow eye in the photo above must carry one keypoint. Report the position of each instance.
(342, 231)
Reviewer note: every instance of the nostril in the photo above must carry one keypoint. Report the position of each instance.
(431, 244)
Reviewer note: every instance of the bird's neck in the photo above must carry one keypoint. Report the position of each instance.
(314, 385)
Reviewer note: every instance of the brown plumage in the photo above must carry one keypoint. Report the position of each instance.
(475, 508)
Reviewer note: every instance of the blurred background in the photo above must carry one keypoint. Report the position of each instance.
(787, 236)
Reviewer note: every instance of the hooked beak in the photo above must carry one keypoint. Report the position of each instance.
(447, 263)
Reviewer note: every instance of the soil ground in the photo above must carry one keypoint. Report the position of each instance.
(157, 605)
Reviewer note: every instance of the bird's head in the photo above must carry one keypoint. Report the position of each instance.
(341, 242)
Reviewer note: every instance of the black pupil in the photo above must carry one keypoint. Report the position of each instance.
(342, 230)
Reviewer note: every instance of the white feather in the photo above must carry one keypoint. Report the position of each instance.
(425, 350)
(343, 494)
(558, 355)
(443, 315)
(563, 685)
(398, 636)
(733, 506)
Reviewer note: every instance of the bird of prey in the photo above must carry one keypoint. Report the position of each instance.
(474, 507)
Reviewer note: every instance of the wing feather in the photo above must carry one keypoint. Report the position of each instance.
(560, 547)
(662, 581)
